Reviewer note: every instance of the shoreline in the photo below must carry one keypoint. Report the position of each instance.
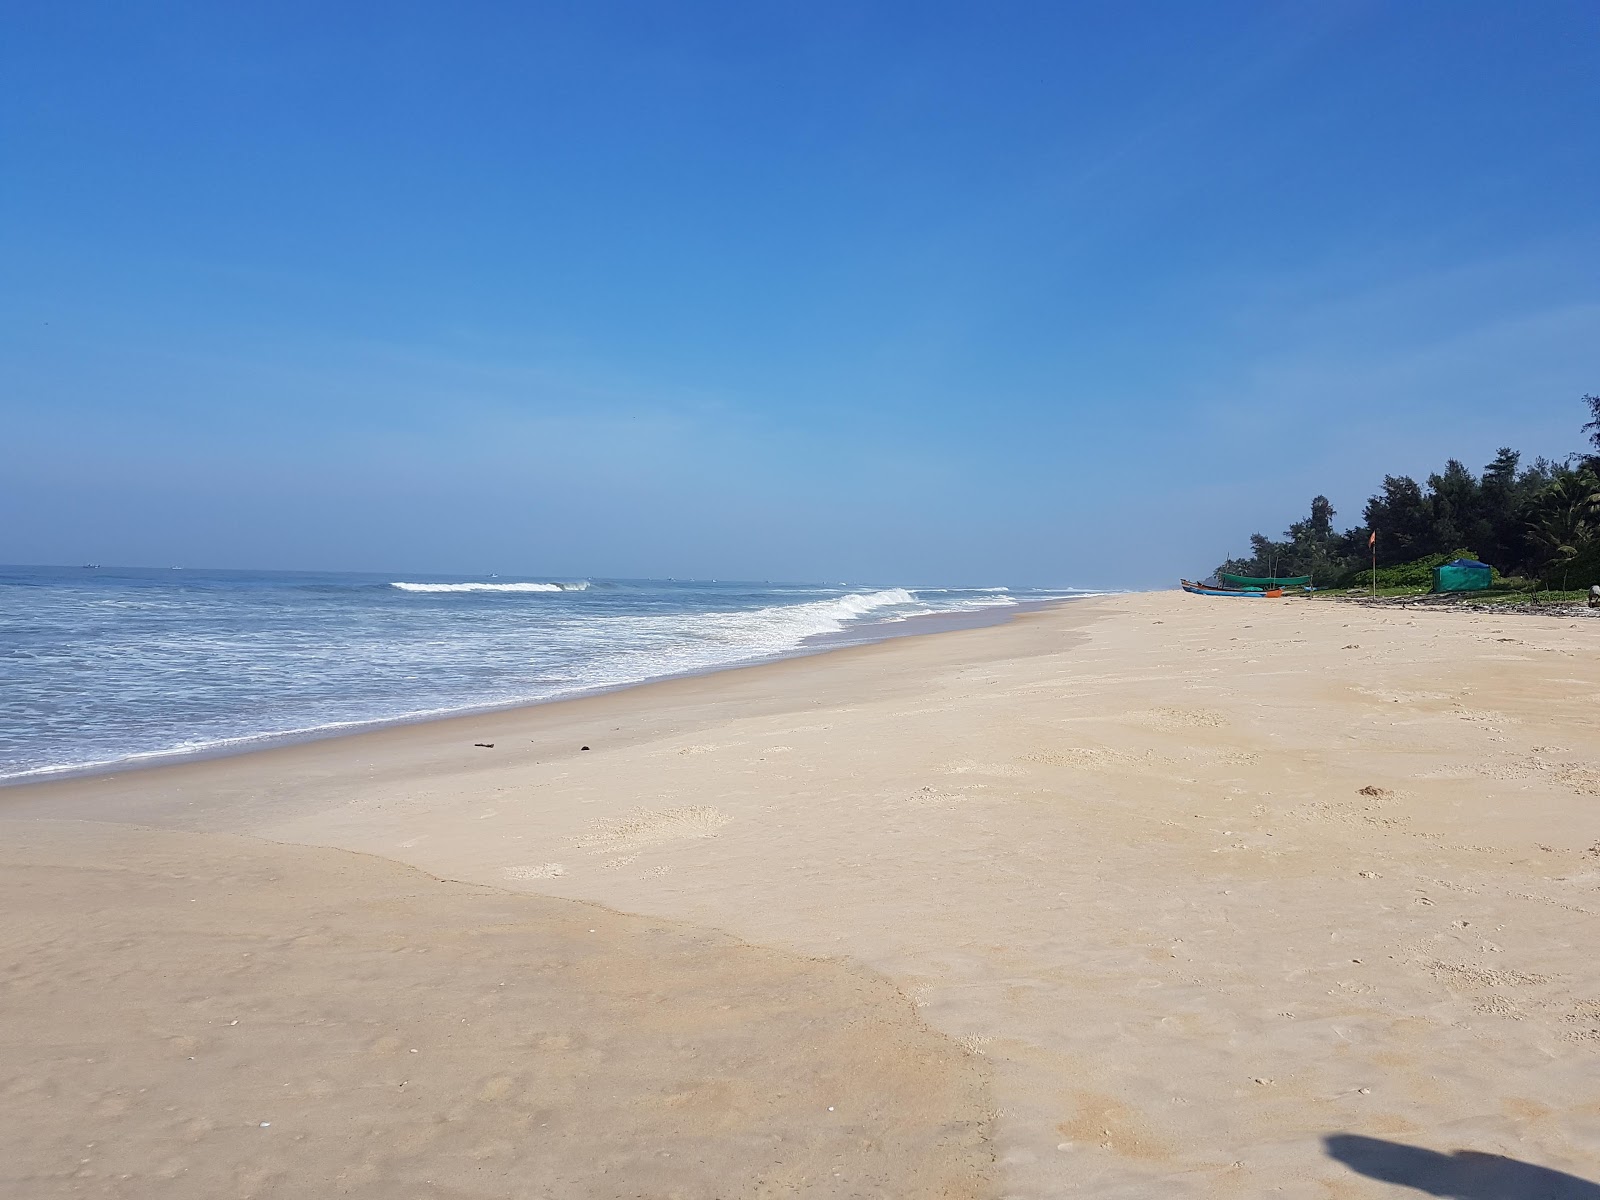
(443, 745)
(870, 633)
(1207, 891)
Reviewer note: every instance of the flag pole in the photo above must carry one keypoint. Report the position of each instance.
(1372, 544)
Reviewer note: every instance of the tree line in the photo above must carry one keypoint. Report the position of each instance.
(1540, 522)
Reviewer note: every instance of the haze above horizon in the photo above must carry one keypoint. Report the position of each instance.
(1038, 295)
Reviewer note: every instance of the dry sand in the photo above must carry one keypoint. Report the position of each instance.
(199, 1015)
(1142, 896)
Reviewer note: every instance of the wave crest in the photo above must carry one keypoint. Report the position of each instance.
(857, 603)
(492, 587)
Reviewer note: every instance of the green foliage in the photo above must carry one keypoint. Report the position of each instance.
(1310, 547)
(1541, 521)
(1584, 569)
(1411, 576)
(1564, 522)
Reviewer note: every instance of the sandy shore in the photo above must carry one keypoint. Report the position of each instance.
(1147, 895)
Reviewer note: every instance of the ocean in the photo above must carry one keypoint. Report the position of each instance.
(107, 666)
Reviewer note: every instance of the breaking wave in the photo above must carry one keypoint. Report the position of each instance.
(492, 587)
(858, 604)
(156, 667)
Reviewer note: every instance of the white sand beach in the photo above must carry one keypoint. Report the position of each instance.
(1140, 896)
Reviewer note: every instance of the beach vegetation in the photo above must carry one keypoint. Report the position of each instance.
(1537, 525)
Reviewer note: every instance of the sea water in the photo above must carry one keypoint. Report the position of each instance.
(105, 666)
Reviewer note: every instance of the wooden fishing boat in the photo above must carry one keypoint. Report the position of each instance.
(1200, 589)
(1266, 583)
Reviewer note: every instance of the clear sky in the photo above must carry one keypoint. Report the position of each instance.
(1050, 293)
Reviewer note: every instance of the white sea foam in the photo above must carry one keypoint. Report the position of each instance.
(581, 586)
(858, 604)
(212, 668)
(796, 622)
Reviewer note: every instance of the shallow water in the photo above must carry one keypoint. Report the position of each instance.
(101, 665)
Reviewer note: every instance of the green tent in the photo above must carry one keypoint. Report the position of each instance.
(1247, 581)
(1462, 575)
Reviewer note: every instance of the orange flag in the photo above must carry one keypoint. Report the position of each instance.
(1372, 538)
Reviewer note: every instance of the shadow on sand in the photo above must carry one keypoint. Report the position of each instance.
(1462, 1175)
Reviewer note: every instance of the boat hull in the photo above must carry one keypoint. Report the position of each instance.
(1199, 589)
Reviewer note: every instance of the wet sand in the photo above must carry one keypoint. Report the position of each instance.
(1195, 885)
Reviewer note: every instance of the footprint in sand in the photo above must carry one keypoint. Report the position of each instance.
(1179, 718)
(1581, 779)
(1401, 696)
(1092, 758)
(1469, 975)
(1480, 717)
(1586, 1014)
(647, 827)
(969, 766)
(535, 871)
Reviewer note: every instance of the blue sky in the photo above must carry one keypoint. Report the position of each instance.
(1030, 293)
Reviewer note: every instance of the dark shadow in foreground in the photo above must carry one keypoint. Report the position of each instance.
(1463, 1175)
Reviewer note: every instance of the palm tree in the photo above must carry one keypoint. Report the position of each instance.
(1565, 517)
